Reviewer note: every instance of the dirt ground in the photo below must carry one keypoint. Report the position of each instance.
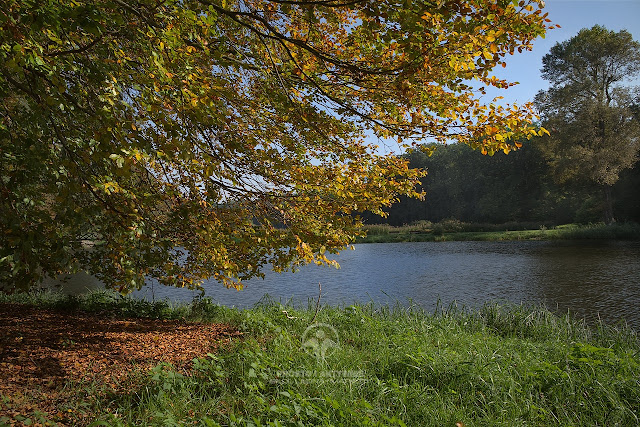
(42, 350)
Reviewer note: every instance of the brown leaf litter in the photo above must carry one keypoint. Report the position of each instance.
(42, 350)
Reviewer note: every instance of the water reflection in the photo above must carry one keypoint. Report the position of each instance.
(73, 284)
(593, 279)
(590, 279)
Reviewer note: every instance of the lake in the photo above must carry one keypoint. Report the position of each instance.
(590, 279)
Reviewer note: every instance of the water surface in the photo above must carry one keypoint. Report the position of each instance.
(591, 279)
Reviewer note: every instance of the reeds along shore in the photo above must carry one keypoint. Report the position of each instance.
(450, 230)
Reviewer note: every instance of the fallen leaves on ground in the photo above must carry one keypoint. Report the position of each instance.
(42, 350)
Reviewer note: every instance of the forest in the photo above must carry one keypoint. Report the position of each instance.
(581, 167)
(517, 187)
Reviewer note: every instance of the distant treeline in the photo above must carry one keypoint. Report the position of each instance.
(518, 187)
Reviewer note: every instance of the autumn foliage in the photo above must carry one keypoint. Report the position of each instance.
(189, 140)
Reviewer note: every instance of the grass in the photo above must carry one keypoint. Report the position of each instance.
(499, 365)
(452, 230)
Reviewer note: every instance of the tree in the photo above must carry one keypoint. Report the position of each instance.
(194, 139)
(594, 135)
(471, 188)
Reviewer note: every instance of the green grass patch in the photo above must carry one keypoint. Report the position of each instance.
(499, 365)
(452, 230)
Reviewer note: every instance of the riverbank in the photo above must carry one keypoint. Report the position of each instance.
(450, 230)
(356, 365)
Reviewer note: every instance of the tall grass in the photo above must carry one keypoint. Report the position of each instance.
(394, 365)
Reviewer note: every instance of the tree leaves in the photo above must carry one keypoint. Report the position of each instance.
(594, 134)
(232, 130)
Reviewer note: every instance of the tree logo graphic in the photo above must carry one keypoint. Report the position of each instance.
(320, 340)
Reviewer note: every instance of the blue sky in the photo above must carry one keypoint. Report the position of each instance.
(572, 16)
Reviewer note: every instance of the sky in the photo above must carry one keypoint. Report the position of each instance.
(572, 16)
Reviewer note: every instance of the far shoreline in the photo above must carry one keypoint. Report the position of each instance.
(446, 231)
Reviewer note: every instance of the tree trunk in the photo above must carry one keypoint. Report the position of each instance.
(608, 205)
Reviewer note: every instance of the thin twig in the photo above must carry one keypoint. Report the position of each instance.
(317, 302)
